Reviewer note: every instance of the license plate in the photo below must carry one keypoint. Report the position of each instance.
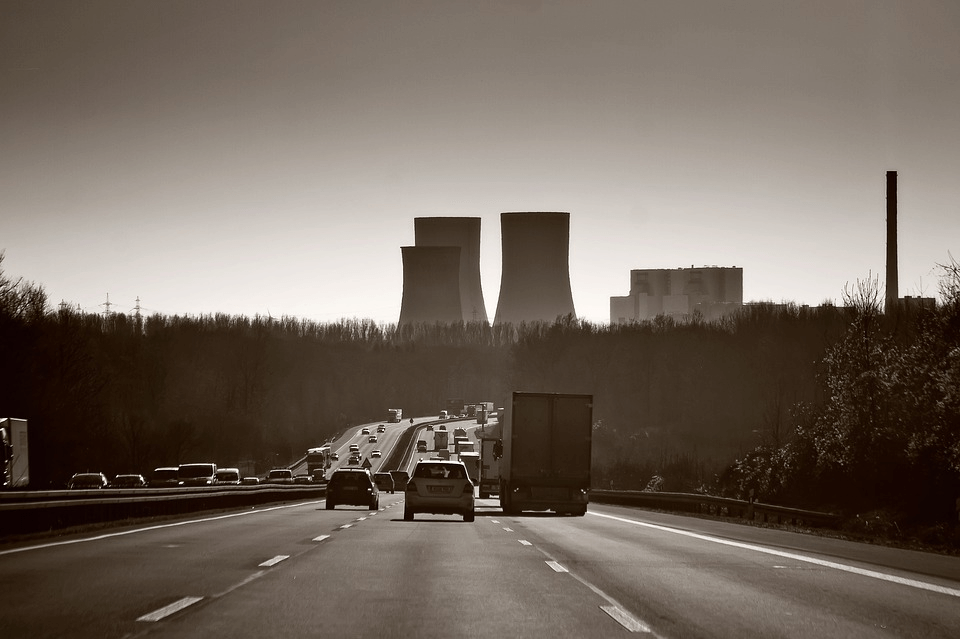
(440, 489)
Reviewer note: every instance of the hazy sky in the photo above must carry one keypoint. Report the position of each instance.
(270, 157)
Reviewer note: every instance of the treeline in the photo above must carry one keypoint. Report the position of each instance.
(820, 407)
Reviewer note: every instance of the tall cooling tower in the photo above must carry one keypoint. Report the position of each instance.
(431, 284)
(535, 280)
(465, 233)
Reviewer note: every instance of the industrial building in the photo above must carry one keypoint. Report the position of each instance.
(535, 278)
(711, 291)
(463, 232)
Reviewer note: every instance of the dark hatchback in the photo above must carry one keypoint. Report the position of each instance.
(352, 487)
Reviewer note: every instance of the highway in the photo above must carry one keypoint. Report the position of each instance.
(299, 570)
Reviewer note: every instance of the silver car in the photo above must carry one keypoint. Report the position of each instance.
(439, 487)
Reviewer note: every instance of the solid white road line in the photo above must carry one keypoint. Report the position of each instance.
(274, 561)
(166, 611)
(913, 583)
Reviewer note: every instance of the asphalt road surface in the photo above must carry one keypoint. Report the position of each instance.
(301, 571)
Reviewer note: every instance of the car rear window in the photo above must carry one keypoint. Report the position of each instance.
(439, 471)
(349, 478)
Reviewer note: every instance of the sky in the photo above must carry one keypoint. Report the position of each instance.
(269, 158)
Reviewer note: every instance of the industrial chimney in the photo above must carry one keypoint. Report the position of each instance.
(431, 285)
(893, 292)
(465, 233)
(535, 279)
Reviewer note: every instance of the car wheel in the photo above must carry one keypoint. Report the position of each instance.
(329, 505)
(407, 514)
(468, 516)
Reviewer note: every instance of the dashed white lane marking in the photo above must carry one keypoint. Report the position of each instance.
(494, 521)
(274, 561)
(361, 518)
(625, 619)
(524, 542)
(557, 567)
(321, 537)
(953, 592)
(166, 611)
(508, 529)
(346, 525)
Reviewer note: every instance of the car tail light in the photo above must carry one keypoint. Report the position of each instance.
(468, 488)
(411, 486)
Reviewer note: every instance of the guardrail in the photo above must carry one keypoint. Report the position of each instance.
(24, 513)
(722, 506)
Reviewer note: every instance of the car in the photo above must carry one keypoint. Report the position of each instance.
(250, 481)
(381, 428)
(365, 431)
(280, 476)
(128, 481)
(228, 476)
(384, 481)
(400, 478)
(372, 439)
(335, 456)
(443, 427)
(165, 477)
(302, 479)
(354, 460)
(354, 448)
(376, 453)
(82, 481)
(439, 487)
(429, 427)
(199, 474)
(352, 487)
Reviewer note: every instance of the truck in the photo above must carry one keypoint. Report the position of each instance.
(440, 439)
(490, 452)
(472, 462)
(546, 453)
(318, 461)
(394, 415)
(483, 410)
(455, 406)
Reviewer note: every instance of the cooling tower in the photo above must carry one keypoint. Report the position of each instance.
(431, 284)
(465, 233)
(535, 280)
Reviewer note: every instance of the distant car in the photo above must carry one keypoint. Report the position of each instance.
(443, 427)
(164, 477)
(376, 453)
(128, 481)
(439, 487)
(443, 414)
(228, 476)
(400, 479)
(365, 431)
(381, 428)
(430, 427)
(335, 456)
(352, 487)
(199, 474)
(372, 439)
(384, 481)
(250, 481)
(280, 476)
(302, 479)
(83, 481)
(354, 448)
(354, 460)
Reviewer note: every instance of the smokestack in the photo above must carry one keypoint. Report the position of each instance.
(893, 293)
(535, 279)
(431, 285)
(465, 233)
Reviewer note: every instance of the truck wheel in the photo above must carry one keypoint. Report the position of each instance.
(329, 505)
(407, 514)
(581, 512)
(468, 516)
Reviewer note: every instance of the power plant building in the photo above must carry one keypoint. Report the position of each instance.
(431, 285)
(535, 278)
(680, 293)
(463, 232)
